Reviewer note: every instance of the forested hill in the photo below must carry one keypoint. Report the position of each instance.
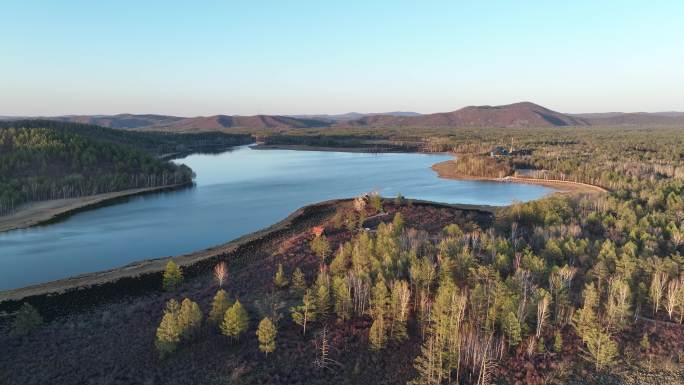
(157, 143)
(42, 160)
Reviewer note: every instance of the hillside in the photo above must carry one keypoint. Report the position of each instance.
(238, 123)
(123, 121)
(524, 114)
(354, 115)
(44, 160)
(633, 118)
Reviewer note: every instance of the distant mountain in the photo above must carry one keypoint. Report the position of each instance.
(222, 122)
(185, 124)
(123, 121)
(524, 114)
(353, 115)
(633, 118)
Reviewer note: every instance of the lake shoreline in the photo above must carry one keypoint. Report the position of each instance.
(366, 149)
(136, 277)
(564, 187)
(38, 213)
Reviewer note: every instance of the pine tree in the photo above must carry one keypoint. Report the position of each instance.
(601, 349)
(219, 306)
(298, 282)
(558, 342)
(235, 321)
(173, 276)
(377, 334)
(320, 246)
(340, 264)
(27, 320)
(398, 223)
(379, 298)
(376, 202)
(280, 280)
(323, 300)
(342, 297)
(399, 304)
(189, 318)
(266, 334)
(512, 329)
(306, 312)
(168, 333)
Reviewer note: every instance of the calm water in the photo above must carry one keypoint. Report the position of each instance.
(236, 193)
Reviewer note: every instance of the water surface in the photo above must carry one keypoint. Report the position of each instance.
(236, 193)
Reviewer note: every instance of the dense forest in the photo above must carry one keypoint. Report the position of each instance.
(42, 160)
(572, 288)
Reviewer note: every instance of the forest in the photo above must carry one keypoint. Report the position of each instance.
(571, 288)
(43, 160)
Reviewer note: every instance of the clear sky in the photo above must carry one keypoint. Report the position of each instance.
(285, 57)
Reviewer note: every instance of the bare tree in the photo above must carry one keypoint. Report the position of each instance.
(671, 297)
(542, 311)
(221, 272)
(657, 287)
(323, 361)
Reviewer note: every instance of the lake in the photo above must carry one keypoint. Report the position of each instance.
(236, 192)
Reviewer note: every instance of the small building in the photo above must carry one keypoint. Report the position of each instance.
(499, 151)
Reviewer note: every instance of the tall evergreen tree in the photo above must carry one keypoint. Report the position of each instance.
(173, 276)
(189, 318)
(280, 280)
(306, 312)
(266, 334)
(219, 305)
(169, 332)
(298, 282)
(342, 297)
(235, 321)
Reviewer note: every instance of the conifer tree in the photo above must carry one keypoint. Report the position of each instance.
(27, 320)
(558, 342)
(235, 321)
(379, 299)
(168, 333)
(266, 334)
(298, 282)
(600, 347)
(398, 223)
(219, 305)
(376, 202)
(512, 329)
(306, 312)
(320, 246)
(400, 305)
(323, 303)
(342, 298)
(280, 280)
(340, 264)
(189, 318)
(377, 335)
(173, 276)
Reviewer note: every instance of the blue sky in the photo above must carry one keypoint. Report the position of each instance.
(284, 57)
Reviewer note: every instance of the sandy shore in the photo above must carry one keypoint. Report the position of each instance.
(444, 170)
(40, 212)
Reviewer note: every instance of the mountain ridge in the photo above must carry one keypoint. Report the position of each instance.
(521, 114)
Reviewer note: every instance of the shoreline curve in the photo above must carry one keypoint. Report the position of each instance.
(564, 187)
